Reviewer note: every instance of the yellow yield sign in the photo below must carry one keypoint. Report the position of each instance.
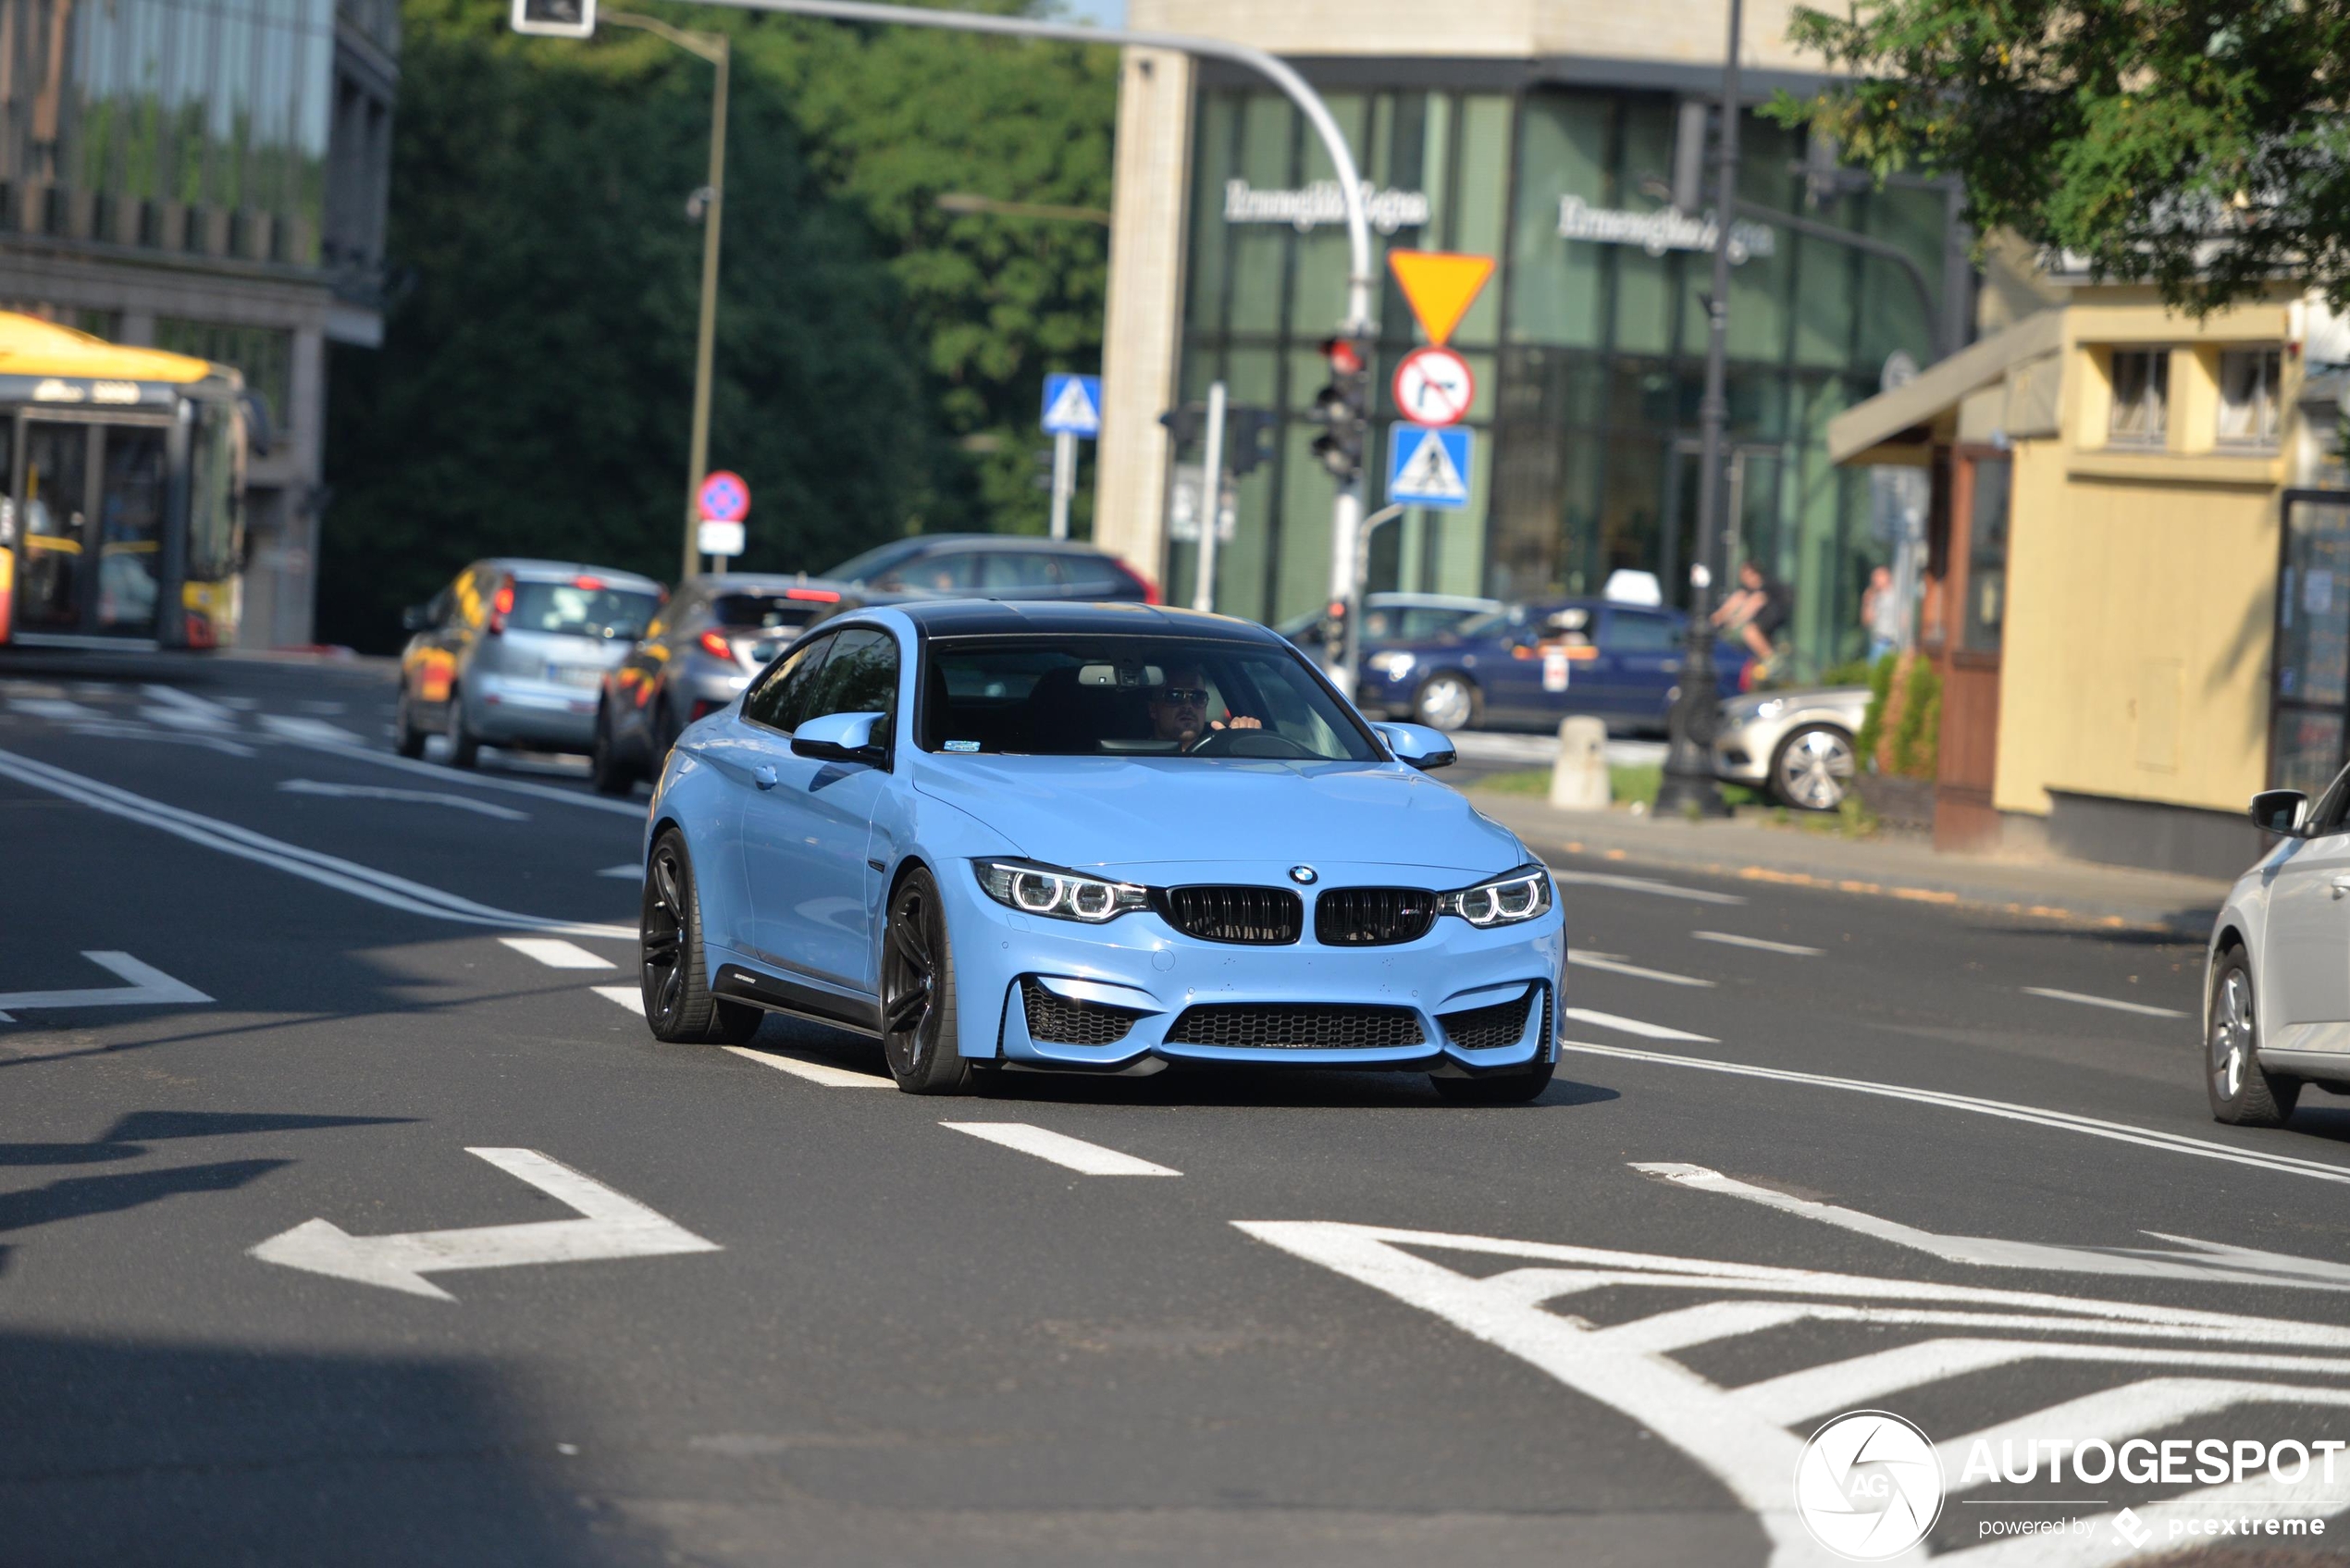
(1439, 286)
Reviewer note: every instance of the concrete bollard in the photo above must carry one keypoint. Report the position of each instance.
(1578, 779)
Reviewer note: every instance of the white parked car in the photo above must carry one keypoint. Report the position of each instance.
(2276, 988)
(1798, 745)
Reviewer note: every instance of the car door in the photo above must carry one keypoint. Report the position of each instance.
(429, 663)
(807, 823)
(1639, 663)
(2308, 946)
(1509, 671)
(630, 687)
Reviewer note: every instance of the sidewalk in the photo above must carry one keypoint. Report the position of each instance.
(2074, 892)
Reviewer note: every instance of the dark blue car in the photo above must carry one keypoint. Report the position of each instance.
(1529, 666)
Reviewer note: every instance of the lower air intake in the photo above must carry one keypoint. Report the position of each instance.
(1296, 1027)
(1057, 1021)
(1485, 1028)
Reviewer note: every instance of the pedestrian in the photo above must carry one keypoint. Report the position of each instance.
(1881, 614)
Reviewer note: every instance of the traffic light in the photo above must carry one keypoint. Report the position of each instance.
(1248, 446)
(1344, 408)
(555, 18)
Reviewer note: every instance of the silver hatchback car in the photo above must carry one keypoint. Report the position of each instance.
(513, 653)
(1798, 745)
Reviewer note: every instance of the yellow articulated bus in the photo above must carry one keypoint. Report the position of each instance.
(122, 492)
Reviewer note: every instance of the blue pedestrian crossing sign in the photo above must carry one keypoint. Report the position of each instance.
(1073, 405)
(1430, 467)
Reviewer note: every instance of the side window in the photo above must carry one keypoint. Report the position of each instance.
(1088, 575)
(1016, 569)
(780, 701)
(945, 573)
(437, 612)
(1628, 632)
(861, 676)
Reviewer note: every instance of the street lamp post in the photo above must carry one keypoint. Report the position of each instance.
(1687, 784)
(711, 46)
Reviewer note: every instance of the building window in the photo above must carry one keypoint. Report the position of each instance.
(2141, 397)
(2248, 397)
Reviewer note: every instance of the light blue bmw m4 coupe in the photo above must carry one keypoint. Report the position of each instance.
(1090, 838)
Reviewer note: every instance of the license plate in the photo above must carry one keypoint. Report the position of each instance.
(575, 674)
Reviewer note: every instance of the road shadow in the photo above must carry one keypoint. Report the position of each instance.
(132, 1453)
(79, 1197)
(131, 1134)
(1181, 1084)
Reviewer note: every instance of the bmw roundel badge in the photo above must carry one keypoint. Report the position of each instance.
(1302, 874)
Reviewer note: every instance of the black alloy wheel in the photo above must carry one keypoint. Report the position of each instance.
(671, 964)
(605, 770)
(918, 993)
(1501, 1088)
(465, 746)
(406, 738)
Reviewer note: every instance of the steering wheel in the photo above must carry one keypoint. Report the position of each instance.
(1268, 743)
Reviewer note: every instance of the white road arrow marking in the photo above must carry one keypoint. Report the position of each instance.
(385, 792)
(557, 954)
(149, 987)
(2209, 1261)
(614, 1227)
(1075, 1154)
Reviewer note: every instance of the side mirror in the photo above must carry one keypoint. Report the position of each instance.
(842, 737)
(1418, 744)
(2282, 811)
(415, 618)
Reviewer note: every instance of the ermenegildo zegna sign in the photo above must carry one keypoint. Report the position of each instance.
(1659, 232)
(1322, 202)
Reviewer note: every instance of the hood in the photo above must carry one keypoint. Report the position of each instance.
(1133, 812)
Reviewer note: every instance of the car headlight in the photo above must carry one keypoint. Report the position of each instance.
(1062, 894)
(1523, 895)
(1394, 664)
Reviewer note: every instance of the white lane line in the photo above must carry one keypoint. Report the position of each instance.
(56, 708)
(318, 730)
(629, 872)
(1091, 1159)
(327, 870)
(188, 702)
(1732, 939)
(2062, 1121)
(1645, 885)
(420, 797)
(1613, 963)
(556, 954)
(629, 996)
(453, 776)
(814, 1072)
(1634, 1026)
(182, 711)
(2087, 1001)
(149, 987)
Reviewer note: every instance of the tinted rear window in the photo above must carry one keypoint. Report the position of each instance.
(762, 612)
(574, 610)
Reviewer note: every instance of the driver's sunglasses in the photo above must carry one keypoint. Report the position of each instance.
(1181, 694)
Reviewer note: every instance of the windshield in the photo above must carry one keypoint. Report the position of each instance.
(575, 609)
(1132, 696)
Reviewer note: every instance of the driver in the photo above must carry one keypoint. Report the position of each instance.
(1179, 708)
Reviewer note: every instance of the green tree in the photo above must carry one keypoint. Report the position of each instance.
(2199, 146)
(533, 391)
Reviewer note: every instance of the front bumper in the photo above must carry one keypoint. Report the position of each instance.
(1149, 972)
(1740, 757)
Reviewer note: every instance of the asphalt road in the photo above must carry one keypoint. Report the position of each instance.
(1344, 1323)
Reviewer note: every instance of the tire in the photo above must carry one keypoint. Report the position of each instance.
(406, 738)
(672, 968)
(662, 729)
(1512, 1089)
(919, 1038)
(1811, 768)
(1448, 701)
(605, 770)
(465, 746)
(2242, 1092)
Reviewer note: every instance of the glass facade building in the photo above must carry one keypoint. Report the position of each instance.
(1588, 344)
